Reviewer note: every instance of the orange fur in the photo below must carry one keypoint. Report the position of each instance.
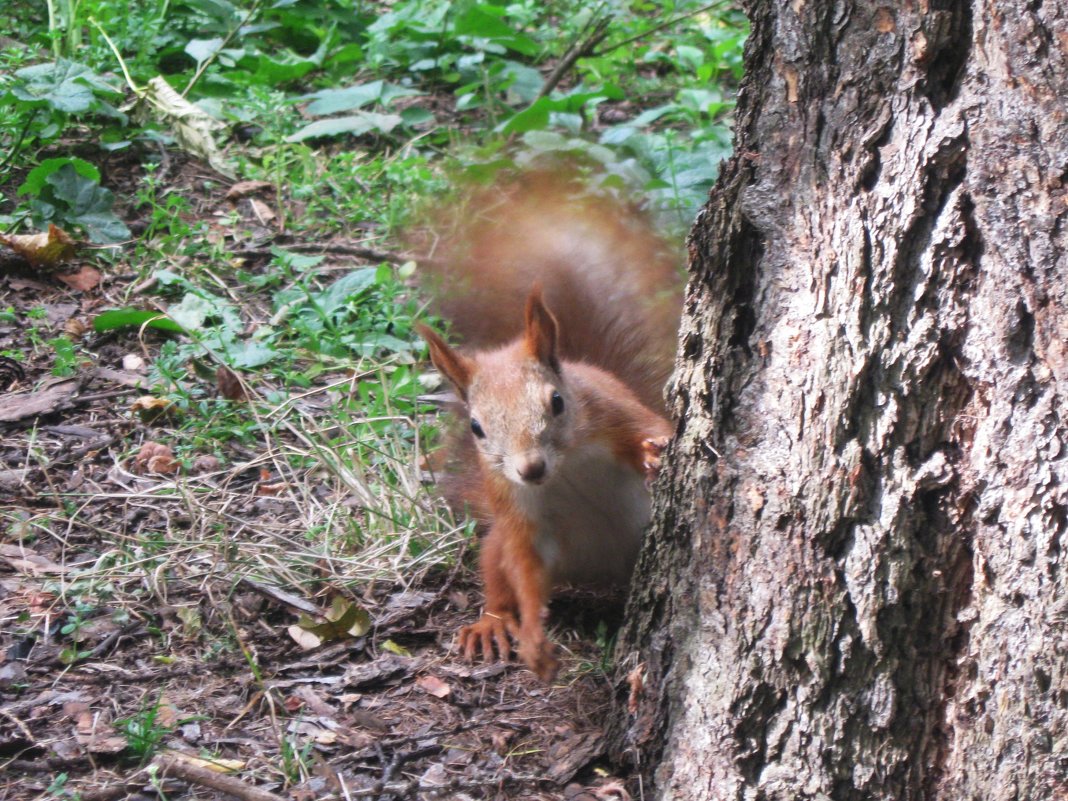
(572, 305)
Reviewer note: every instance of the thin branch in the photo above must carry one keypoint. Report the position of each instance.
(660, 27)
(580, 49)
(226, 40)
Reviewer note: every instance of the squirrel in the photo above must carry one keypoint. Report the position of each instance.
(567, 304)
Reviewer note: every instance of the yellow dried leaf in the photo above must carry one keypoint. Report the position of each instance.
(46, 251)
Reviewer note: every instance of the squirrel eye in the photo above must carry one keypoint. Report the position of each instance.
(476, 429)
(557, 402)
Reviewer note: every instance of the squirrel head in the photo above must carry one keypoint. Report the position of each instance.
(521, 413)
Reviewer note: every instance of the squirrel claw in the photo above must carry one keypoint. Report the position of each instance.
(652, 453)
(494, 632)
(539, 655)
(491, 629)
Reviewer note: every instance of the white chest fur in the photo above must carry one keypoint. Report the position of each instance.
(590, 516)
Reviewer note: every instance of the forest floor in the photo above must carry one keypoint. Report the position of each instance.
(146, 613)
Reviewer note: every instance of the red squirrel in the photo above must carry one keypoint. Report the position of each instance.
(561, 396)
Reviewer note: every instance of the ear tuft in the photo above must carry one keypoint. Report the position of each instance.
(453, 365)
(542, 330)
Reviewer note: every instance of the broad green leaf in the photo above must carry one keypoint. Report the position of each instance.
(299, 262)
(355, 124)
(76, 200)
(203, 49)
(192, 312)
(533, 117)
(525, 82)
(251, 354)
(134, 318)
(66, 86)
(338, 293)
(484, 21)
(37, 178)
(413, 115)
(333, 101)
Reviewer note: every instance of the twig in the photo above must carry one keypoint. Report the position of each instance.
(106, 643)
(22, 727)
(180, 769)
(580, 49)
(284, 598)
(399, 759)
(344, 250)
(226, 40)
(409, 788)
(659, 27)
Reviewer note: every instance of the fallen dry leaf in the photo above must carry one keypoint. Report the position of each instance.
(244, 188)
(166, 713)
(229, 384)
(25, 561)
(155, 457)
(434, 686)
(217, 765)
(133, 362)
(47, 251)
(83, 280)
(206, 463)
(75, 328)
(263, 212)
(150, 408)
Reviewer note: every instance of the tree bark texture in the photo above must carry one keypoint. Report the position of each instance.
(855, 587)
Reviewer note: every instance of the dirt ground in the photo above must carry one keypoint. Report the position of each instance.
(179, 679)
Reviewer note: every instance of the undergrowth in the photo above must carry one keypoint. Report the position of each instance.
(284, 372)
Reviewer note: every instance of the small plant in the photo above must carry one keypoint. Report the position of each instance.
(76, 622)
(296, 760)
(44, 97)
(67, 192)
(66, 362)
(144, 731)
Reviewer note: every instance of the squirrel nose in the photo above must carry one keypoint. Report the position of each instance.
(532, 468)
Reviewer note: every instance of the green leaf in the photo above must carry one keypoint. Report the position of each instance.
(66, 359)
(66, 86)
(130, 318)
(338, 293)
(75, 200)
(484, 21)
(534, 117)
(36, 180)
(355, 124)
(251, 354)
(297, 262)
(413, 115)
(193, 312)
(332, 101)
(202, 49)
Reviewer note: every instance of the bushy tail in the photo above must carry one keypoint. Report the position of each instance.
(612, 282)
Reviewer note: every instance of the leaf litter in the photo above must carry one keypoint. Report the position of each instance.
(149, 600)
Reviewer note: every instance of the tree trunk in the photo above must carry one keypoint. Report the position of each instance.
(854, 585)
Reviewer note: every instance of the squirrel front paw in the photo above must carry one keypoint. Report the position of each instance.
(652, 453)
(492, 633)
(492, 628)
(539, 655)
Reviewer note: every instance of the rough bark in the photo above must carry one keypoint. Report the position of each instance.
(854, 588)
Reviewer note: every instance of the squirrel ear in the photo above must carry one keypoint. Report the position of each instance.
(542, 330)
(454, 366)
